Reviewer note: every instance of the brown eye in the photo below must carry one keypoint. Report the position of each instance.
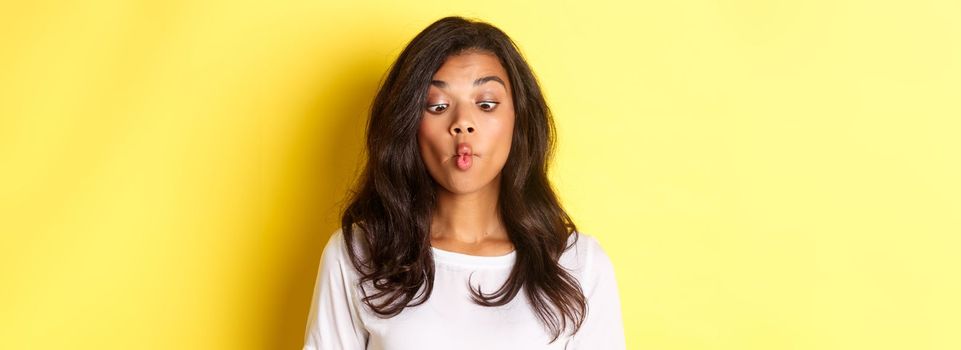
(488, 105)
(437, 108)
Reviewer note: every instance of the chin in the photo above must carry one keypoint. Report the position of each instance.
(465, 187)
(462, 189)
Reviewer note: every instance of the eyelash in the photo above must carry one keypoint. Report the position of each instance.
(445, 106)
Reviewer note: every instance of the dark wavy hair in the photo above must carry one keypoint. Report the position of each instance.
(393, 206)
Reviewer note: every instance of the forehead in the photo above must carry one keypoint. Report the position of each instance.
(465, 67)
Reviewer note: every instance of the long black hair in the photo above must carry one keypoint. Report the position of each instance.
(392, 207)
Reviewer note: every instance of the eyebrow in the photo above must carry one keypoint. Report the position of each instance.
(442, 84)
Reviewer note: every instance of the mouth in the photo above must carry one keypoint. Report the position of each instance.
(464, 161)
(465, 156)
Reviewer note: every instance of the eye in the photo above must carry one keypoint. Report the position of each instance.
(488, 105)
(437, 108)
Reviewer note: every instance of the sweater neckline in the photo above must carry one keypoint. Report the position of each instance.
(446, 256)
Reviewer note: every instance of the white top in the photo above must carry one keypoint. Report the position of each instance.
(449, 319)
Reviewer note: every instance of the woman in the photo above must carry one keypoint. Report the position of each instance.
(457, 239)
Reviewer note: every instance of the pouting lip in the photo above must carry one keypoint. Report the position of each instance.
(464, 148)
(457, 156)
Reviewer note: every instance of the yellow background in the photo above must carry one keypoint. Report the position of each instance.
(764, 174)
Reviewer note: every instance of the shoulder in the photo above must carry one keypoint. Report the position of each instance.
(586, 258)
(335, 254)
(581, 247)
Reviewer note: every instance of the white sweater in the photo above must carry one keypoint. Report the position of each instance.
(338, 318)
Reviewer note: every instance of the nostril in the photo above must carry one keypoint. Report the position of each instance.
(470, 129)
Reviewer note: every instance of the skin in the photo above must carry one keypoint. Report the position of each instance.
(466, 219)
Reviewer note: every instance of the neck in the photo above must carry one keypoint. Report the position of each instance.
(468, 217)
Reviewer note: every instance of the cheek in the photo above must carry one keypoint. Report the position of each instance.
(506, 133)
(426, 140)
(499, 141)
(422, 141)
(424, 126)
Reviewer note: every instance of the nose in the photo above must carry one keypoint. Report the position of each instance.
(457, 129)
(462, 124)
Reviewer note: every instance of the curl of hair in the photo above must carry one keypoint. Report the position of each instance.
(389, 215)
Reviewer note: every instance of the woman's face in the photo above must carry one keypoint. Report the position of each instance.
(467, 125)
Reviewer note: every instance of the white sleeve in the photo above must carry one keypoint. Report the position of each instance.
(603, 327)
(334, 321)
